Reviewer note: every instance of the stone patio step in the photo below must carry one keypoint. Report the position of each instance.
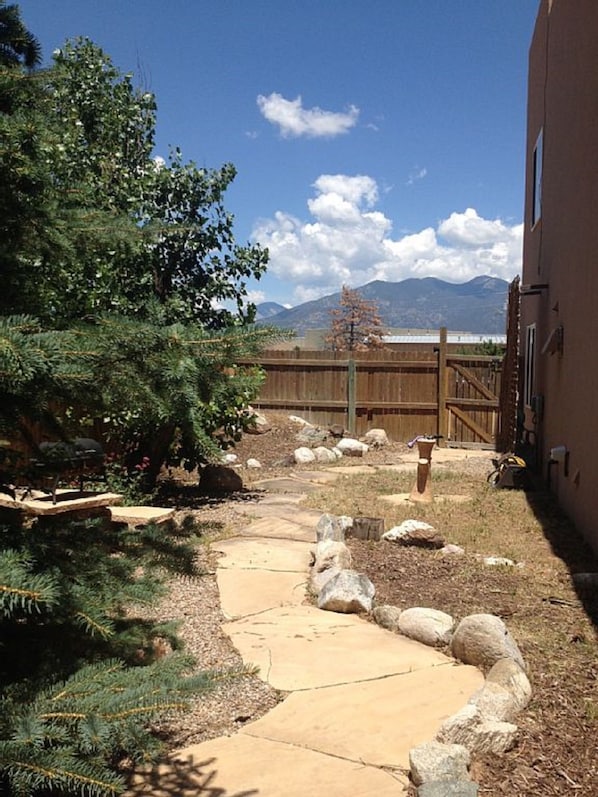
(141, 515)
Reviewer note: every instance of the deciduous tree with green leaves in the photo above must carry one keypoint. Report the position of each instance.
(130, 233)
(116, 265)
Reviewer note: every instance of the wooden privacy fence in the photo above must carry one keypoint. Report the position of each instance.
(405, 392)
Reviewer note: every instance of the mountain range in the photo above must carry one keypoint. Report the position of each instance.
(428, 303)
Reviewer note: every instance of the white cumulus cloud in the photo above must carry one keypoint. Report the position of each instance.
(347, 241)
(293, 120)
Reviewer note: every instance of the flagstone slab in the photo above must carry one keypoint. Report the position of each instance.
(317, 476)
(283, 529)
(264, 554)
(286, 485)
(305, 517)
(353, 470)
(242, 766)
(375, 722)
(246, 592)
(304, 647)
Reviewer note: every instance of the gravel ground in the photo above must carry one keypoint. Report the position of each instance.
(236, 698)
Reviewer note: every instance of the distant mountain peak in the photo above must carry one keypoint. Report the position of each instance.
(478, 306)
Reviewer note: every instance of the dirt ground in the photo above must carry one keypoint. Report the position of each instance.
(553, 623)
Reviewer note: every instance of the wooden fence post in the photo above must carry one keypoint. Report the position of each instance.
(442, 406)
(351, 395)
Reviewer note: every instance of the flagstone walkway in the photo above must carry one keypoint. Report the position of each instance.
(359, 697)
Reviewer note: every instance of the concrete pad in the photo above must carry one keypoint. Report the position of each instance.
(376, 722)
(242, 766)
(281, 529)
(140, 515)
(246, 592)
(303, 647)
(405, 498)
(255, 553)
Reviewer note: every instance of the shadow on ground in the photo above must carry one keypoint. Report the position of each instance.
(182, 778)
(569, 545)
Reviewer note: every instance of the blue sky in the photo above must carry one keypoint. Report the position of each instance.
(373, 140)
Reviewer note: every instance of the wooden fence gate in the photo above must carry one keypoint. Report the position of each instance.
(468, 397)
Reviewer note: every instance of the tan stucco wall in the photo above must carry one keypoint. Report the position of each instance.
(562, 248)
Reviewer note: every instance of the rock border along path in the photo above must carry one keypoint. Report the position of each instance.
(360, 697)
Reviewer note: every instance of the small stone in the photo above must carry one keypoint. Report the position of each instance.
(387, 617)
(452, 550)
(297, 419)
(479, 735)
(254, 463)
(331, 527)
(428, 626)
(230, 459)
(433, 761)
(323, 454)
(498, 561)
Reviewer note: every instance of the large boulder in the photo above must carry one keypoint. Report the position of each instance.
(416, 533)
(333, 527)
(429, 626)
(329, 558)
(351, 447)
(323, 454)
(495, 702)
(304, 455)
(258, 423)
(376, 438)
(482, 640)
(508, 674)
(219, 480)
(312, 435)
(434, 761)
(348, 592)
